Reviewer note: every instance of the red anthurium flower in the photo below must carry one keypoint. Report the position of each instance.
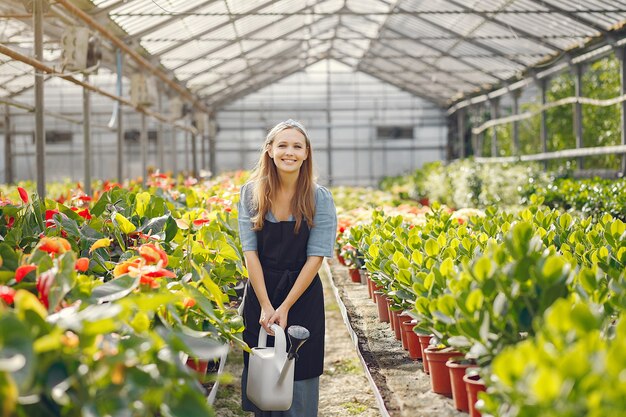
(153, 254)
(7, 294)
(85, 214)
(44, 282)
(22, 271)
(10, 221)
(159, 273)
(23, 194)
(84, 198)
(50, 214)
(82, 264)
(201, 222)
(50, 218)
(56, 245)
(228, 209)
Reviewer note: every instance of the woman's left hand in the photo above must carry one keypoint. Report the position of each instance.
(280, 316)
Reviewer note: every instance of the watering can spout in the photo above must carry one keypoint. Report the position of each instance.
(297, 336)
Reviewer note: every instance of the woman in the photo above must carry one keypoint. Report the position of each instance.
(287, 225)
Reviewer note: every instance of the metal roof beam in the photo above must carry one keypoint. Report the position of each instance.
(241, 54)
(416, 73)
(444, 53)
(462, 37)
(402, 87)
(394, 6)
(259, 85)
(171, 20)
(105, 10)
(490, 19)
(214, 28)
(282, 53)
(574, 17)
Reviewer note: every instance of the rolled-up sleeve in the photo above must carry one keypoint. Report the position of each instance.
(322, 236)
(246, 234)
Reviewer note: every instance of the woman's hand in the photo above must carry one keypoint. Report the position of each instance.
(267, 313)
(280, 316)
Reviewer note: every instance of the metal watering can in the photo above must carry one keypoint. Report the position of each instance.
(270, 369)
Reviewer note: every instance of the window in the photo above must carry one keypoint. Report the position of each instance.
(57, 136)
(394, 132)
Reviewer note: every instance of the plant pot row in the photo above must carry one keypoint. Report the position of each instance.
(447, 369)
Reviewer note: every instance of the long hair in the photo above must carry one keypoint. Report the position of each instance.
(266, 182)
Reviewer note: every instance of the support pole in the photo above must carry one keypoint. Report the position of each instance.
(621, 53)
(187, 140)
(143, 144)
(495, 113)
(174, 153)
(8, 146)
(516, 146)
(160, 151)
(194, 155)
(87, 138)
(203, 138)
(329, 153)
(461, 132)
(40, 139)
(212, 140)
(120, 126)
(544, 121)
(578, 113)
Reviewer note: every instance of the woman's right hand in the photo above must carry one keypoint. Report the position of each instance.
(266, 313)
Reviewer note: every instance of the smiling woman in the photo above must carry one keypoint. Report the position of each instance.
(287, 226)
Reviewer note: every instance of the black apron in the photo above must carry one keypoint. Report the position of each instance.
(282, 253)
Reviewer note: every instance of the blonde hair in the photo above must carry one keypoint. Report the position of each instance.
(266, 181)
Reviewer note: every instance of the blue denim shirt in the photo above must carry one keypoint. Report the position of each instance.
(322, 235)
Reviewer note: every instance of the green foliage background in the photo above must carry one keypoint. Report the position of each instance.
(601, 125)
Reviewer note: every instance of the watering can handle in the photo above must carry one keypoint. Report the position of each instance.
(280, 342)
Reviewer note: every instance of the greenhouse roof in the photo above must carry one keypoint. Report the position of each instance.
(220, 50)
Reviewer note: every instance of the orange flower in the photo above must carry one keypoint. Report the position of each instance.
(124, 267)
(56, 245)
(189, 302)
(23, 270)
(153, 254)
(82, 264)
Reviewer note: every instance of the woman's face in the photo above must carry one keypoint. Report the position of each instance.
(288, 150)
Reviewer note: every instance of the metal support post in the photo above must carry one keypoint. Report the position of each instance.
(160, 152)
(194, 155)
(544, 121)
(578, 113)
(203, 138)
(495, 113)
(174, 152)
(87, 138)
(8, 146)
(621, 53)
(40, 139)
(143, 144)
(120, 126)
(212, 140)
(461, 131)
(329, 153)
(516, 146)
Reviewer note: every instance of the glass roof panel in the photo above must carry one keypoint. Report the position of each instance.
(138, 15)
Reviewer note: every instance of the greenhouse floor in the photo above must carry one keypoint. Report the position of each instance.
(344, 388)
(402, 384)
